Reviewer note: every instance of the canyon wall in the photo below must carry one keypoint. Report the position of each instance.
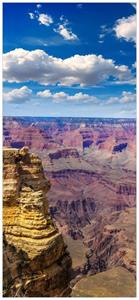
(36, 261)
(92, 200)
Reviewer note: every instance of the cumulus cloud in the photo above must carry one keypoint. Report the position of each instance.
(22, 65)
(126, 97)
(31, 15)
(42, 18)
(126, 28)
(62, 96)
(45, 19)
(19, 96)
(65, 31)
(24, 94)
(63, 28)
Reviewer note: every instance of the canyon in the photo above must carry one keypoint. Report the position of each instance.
(91, 164)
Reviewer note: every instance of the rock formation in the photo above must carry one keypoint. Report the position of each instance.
(42, 134)
(92, 200)
(116, 282)
(112, 242)
(36, 261)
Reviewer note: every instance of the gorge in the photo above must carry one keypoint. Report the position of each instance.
(92, 201)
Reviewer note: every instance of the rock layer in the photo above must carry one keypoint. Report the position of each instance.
(112, 242)
(36, 262)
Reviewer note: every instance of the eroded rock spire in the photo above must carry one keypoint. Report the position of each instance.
(36, 261)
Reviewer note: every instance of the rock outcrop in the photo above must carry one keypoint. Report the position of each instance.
(117, 282)
(36, 261)
(112, 242)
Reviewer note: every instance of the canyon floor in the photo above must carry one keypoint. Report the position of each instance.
(91, 164)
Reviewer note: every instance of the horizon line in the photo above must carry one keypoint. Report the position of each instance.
(68, 117)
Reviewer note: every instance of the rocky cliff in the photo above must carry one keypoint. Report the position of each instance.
(110, 270)
(112, 242)
(36, 261)
(92, 198)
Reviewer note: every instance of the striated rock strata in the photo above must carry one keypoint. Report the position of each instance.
(36, 261)
(111, 242)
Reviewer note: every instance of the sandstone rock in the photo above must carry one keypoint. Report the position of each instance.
(116, 282)
(24, 151)
(36, 261)
(113, 242)
(101, 184)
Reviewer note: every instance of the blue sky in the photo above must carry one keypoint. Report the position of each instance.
(69, 59)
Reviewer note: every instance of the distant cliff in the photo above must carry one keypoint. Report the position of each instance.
(36, 261)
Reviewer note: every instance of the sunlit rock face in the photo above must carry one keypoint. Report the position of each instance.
(116, 282)
(36, 262)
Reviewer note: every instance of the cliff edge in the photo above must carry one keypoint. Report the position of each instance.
(36, 261)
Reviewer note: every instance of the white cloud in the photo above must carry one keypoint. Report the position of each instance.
(126, 28)
(45, 94)
(64, 30)
(80, 97)
(19, 96)
(104, 30)
(126, 97)
(64, 20)
(38, 5)
(62, 96)
(21, 65)
(24, 94)
(31, 15)
(66, 33)
(102, 35)
(44, 19)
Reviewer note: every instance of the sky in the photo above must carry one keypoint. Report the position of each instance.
(69, 59)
